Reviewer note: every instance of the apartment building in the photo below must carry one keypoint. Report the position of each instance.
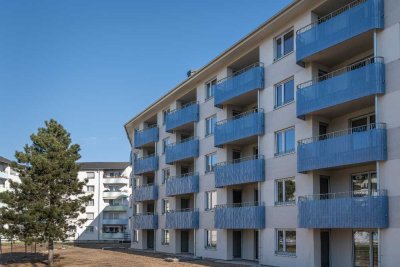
(284, 149)
(7, 174)
(108, 212)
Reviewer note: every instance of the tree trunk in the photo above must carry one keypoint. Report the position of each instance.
(51, 252)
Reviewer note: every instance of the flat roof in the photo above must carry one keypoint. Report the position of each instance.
(103, 165)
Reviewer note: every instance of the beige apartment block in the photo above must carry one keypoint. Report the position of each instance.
(284, 149)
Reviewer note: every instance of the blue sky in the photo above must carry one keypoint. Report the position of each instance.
(94, 64)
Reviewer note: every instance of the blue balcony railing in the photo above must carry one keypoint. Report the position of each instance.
(345, 23)
(182, 219)
(184, 184)
(145, 164)
(145, 136)
(240, 171)
(353, 82)
(186, 149)
(351, 146)
(243, 81)
(145, 221)
(242, 126)
(114, 221)
(240, 216)
(145, 192)
(181, 116)
(344, 210)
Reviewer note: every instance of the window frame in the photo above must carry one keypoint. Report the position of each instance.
(209, 88)
(284, 251)
(213, 197)
(91, 213)
(90, 186)
(281, 37)
(285, 152)
(89, 228)
(91, 201)
(164, 115)
(282, 84)
(165, 142)
(90, 177)
(163, 174)
(165, 206)
(165, 237)
(209, 244)
(284, 202)
(212, 166)
(135, 234)
(210, 129)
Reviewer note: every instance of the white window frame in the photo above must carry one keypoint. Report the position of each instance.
(90, 213)
(285, 152)
(135, 234)
(3, 183)
(213, 195)
(90, 177)
(281, 37)
(165, 206)
(90, 203)
(164, 176)
(136, 209)
(209, 129)
(165, 142)
(284, 201)
(89, 229)
(284, 252)
(90, 186)
(209, 88)
(206, 158)
(164, 115)
(165, 237)
(276, 96)
(208, 238)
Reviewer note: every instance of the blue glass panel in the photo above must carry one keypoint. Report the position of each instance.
(146, 192)
(182, 185)
(147, 164)
(252, 217)
(145, 136)
(182, 220)
(144, 221)
(182, 116)
(180, 151)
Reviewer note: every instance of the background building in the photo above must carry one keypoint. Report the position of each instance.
(6, 174)
(108, 212)
(284, 149)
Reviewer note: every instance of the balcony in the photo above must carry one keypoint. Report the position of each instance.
(145, 193)
(186, 149)
(362, 79)
(240, 216)
(114, 194)
(111, 236)
(239, 128)
(115, 221)
(240, 171)
(116, 208)
(337, 27)
(145, 164)
(351, 146)
(145, 136)
(145, 221)
(184, 184)
(344, 210)
(115, 180)
(242, 82)
(182, 219)
(182, 116)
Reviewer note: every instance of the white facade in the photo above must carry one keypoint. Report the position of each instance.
(108, 212)
(7, 174)
(299, 246)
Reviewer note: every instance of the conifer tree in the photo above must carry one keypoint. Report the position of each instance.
(46, 204)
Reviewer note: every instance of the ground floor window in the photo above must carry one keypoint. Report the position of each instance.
(286, 242)
(211, 238)
(165, 237)
(135, 236)
(365, 248)
(113, 229)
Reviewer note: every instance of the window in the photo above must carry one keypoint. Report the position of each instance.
(285, 191)
(211, 160)
(210, 88)
(135, 182)
(136, 209)
(284, 141)
(165, 112)
(165, 142)
(286, 242)
(210, 125)
(165, 206)
(111, 215)
(90, 175)
(365, 248)
(165, 237)
(165, 174)
(3, 183)
(90, 215)
(211, 200)
(135, 235)
(90, 188)
(211, 238)
(90, 229)
(90, 202)
(284, 44)
(284, 93)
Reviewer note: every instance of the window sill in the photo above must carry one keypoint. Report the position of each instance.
(282, 57)
(285, 254)
(284, 154)
(283, 105)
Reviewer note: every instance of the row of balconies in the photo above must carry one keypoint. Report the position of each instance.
(338, 210)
